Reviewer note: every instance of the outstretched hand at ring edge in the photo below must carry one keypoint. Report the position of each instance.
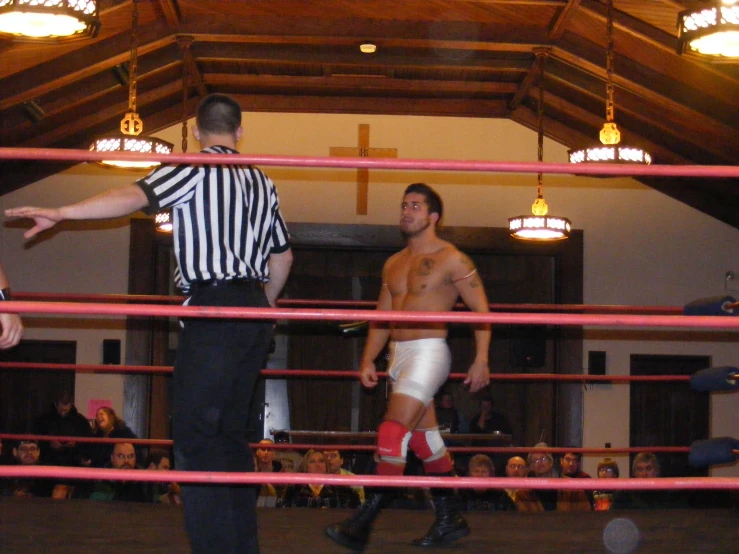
(45, 218)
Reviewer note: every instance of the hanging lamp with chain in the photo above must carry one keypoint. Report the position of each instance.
(130, 138)
(540, 226)
(611, 150)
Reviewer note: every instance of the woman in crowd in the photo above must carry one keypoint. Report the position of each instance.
(109, 425)
(318, 496)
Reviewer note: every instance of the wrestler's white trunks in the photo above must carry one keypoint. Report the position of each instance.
(419, 367)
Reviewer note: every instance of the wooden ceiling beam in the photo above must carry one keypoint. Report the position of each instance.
(719, 140)
(557, 28)
(100, 117)
(644, 82)
(243, 53)
(654, 37)
(171, 12)
(359, 84)
(196, 78)
(385, 32)
(527, 82)
(72, 67)
(453, 107)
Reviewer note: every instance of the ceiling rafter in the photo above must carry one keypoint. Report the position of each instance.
(171, 12)
(557, 29)
(528, 81)
(191, 66)
(463, 58)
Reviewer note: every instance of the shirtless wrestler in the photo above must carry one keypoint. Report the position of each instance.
(428, 275)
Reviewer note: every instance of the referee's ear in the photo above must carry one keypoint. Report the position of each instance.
(239, 133)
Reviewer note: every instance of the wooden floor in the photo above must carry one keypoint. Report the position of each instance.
(30, 526)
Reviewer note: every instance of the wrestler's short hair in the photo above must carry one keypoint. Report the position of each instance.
(433, 200)
(218, 114)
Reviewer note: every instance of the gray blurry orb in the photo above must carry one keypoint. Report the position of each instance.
(621, 536)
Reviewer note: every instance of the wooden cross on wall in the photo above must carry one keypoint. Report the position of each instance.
(363, 150)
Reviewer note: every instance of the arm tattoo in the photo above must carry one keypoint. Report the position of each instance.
(473, 270)
(470, 274)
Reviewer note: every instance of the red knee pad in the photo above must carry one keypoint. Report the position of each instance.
(430, 449)
(392, 440)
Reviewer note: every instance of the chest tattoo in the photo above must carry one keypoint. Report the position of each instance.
(425, 267)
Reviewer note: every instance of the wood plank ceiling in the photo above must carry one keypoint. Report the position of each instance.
(434, 57)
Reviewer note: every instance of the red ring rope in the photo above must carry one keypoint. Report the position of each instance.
(369, 304)
(625, 320)
(333, 374)
(362, 447)
(63, 154)
(58, 472)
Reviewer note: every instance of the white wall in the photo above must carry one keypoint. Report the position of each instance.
(641, 247)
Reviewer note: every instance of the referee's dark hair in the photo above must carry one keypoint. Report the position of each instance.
(218, 114)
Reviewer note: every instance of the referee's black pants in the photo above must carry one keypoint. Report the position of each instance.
(216, 368)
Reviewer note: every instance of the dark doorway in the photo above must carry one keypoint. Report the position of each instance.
(668, 414)
(24, 394)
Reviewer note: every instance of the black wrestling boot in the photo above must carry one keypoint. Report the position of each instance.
(354, 532)
(449, 524)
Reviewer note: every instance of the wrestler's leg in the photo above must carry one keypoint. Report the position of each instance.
(403, 413)
(394, 433)
(426, 442)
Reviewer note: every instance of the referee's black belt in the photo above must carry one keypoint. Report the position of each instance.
(243, 282)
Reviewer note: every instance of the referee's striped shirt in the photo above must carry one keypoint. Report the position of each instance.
(227, 218)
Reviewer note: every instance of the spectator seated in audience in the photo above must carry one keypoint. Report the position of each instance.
(264, 461)
(335, 465)
(290, 459)
(27, 453)
(482, 499)
(122, 457)
(164, 493)
(520, 500)
(108, 425)
(541, 465)
(607, 469)
(573, 500)
(63, 420)
(318, 496)
(647, 466)
(489, 421)
(446, 414)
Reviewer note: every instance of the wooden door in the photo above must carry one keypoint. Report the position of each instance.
(668, 414)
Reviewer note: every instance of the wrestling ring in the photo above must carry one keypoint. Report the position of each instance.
(81, 526)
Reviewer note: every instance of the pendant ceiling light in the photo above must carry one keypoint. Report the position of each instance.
(539, 226)
(49, 20)
(711, 31)
(610, 150)
(128, 139)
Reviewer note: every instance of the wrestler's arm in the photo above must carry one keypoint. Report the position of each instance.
(11, 326)
(467, 281)
(378, 335)
(113, 203)
(279, 268)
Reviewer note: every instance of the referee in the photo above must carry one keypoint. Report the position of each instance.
(232, 249)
